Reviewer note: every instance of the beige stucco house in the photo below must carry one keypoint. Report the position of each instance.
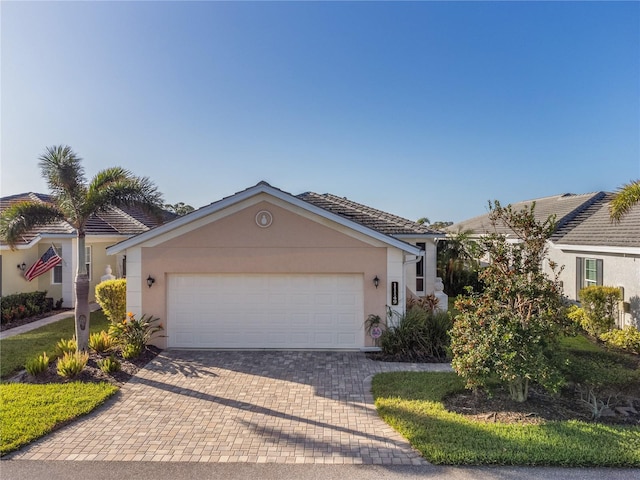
(266, 269)
(103, 230)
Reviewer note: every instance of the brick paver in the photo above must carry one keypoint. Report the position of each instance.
(250, 406)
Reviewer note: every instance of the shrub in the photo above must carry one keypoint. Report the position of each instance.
(66, 346)
(71, 364)
(37, 365)
(111, 295)
(132, 335)
(510, 331)
(417, 335)
(22, 305)
(100, 342)
(626, 339)
(109, 364)
(428, 303)
(600, 305)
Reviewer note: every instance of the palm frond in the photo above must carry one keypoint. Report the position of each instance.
(116, 187)
(21, 217)
(627, 196)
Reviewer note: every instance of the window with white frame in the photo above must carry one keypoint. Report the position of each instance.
(56, 274)
(590, 272)
(420, 269)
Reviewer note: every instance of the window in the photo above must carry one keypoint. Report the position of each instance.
(87, 259)
(420, 269)
(588, 272)
(56, 274)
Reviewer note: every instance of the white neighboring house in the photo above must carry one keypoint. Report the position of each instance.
(104, 229)
(592, 249)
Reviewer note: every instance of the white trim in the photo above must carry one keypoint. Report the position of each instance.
(245, 195)
(597, 249)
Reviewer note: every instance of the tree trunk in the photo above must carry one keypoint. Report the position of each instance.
(519, 389)
(82, 311)
(82, 297)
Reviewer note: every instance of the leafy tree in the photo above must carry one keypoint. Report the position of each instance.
(625, 199)
(440, 225)
(423, 220)
(510, 330)
(76, 201)
(179, 208)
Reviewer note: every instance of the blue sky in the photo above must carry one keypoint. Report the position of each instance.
(417, 108)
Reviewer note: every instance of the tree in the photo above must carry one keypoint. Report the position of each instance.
(423, 221)
(439, 225)
(626, 197)
(510, 330)
(179, 208)
(76, 201)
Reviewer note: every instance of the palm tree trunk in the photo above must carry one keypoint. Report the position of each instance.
(82, 297)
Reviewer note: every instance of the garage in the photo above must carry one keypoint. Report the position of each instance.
(265, 311)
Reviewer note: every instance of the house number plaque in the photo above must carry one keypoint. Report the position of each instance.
(394, 293)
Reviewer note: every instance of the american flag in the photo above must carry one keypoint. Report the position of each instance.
(47, 261)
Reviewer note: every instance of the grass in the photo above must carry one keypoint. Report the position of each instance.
(412, 404)
(31, 411)
(15, 351)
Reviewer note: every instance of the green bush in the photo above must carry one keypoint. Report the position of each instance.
(111, 295)
(626, 339)
(132, 335)
(71, 364)
(22, 305)
(100, 342)
(418, 335)
(37, 365)
(109, 364)
(66, 346)
(600, 306)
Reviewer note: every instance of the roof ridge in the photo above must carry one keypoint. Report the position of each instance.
(579, 215)
(576, 212)
(122, 213)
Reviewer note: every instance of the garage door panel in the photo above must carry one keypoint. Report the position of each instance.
(265, 311)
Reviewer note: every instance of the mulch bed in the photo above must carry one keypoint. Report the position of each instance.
(92, 373)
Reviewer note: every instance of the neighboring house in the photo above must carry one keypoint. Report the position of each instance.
(267, 269)
(592, 249)
(103, 230)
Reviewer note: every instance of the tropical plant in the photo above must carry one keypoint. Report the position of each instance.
(101, 342)
(75, 200)
(35, 366)
(626, 197)
(71, 364)
(511, 329)
(179, 208)
(109, 364)
(111, 295)
(66, 346)
(132, 334)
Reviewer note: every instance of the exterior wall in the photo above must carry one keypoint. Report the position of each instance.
(236, 244)
(619, 270)
(13, 280)
(396, 272)
(430, 265)
(99, 263)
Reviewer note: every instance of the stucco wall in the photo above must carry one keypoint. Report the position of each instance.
(618, 271)
(13, 280)
(236, 244)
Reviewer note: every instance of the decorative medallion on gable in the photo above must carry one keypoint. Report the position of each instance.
(264, 219)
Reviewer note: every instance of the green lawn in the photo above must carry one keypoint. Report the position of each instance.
(15, 351)
(412, 404)
(31, 411)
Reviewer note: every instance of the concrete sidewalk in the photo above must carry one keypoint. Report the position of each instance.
(43, 321)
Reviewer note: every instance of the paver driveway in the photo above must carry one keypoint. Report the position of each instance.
(252, 406)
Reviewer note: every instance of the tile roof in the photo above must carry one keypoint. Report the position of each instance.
(114, 221)
(378, 220)
(583, 220)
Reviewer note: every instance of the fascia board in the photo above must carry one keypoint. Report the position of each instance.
(597, 249)
(244, 195)
(37, 239)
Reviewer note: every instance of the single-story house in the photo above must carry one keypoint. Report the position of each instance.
(103, 230)
(267, 269)
(592, 249)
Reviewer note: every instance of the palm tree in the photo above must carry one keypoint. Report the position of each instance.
(75, 201)
(457, 254)
(626, 197)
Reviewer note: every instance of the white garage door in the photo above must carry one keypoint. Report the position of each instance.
(265, 311)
